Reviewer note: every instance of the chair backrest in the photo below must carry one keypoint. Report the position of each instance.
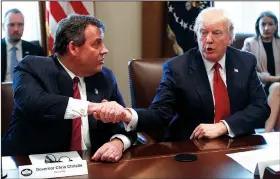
(7, 105)
(144, 78)
(239, 40)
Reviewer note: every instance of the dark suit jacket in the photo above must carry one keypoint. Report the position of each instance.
(28, 48)
(184, 98)
(41, 91)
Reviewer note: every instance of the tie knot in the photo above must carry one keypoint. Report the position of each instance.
(76, 80)
(217, 66)
(14, 48)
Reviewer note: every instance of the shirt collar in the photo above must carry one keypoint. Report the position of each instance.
(209, 65)
(9, 45)
(71, 74)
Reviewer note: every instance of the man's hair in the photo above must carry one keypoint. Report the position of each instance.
(219, 13)
(13, 11)
(267, 14)
(72, 29)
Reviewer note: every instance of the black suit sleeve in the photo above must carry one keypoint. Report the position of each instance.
(255, 114)
(31, 97)
(162, 109)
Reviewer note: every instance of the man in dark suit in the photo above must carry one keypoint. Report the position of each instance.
(207, 92)
(14, 26)
(55, 97)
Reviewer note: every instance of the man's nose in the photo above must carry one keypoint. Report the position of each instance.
(266, 27)
(16, 28)
(209, 38)
(104, 50)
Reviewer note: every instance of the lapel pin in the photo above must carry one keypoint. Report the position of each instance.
(235, 70)
(26, 52)
(96, 91)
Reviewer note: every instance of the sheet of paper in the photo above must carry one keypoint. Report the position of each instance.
(272, 138)
(9, 167)
(276, 168)
(37, 159)
(249, 159)
(8, 163)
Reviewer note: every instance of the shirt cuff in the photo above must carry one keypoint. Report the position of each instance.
(134, 121)
(230, 133)
(125, 140)
(76, 108)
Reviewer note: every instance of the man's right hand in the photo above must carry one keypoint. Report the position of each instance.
(109, 112)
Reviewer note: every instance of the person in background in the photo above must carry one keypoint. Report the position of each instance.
(209, 91)
(265, 45)
(13, 48)
(55, 97)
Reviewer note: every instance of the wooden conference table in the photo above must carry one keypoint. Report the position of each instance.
(156, 160)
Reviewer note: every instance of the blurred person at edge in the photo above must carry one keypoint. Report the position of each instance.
(13, 27)
(265, 45)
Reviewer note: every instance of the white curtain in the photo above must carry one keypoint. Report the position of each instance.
(245, 13)
(30, 11)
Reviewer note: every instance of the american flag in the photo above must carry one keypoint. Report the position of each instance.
(57, 10)
(181, 19)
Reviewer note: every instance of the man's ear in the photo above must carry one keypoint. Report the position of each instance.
(73, 49)
(230, 40)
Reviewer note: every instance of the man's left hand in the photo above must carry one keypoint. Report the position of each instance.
(110, 151)
(209, 131)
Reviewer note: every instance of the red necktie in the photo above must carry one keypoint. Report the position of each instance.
(76, 142)
(222, 106)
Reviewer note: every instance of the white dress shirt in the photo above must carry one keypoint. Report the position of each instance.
(210, 72)
(9, 46)
(78, 108)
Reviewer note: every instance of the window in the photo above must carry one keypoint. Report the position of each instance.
(244, 14)
(30, 11)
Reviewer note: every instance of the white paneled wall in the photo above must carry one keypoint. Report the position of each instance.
(122, 38)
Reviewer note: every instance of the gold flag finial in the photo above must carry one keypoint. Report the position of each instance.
(193, 4)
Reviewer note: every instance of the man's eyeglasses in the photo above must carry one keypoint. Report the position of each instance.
(50, 158)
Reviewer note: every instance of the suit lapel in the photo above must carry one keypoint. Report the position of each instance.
(93, 95)
(3, 59)
(234, 77)
(25, 50)
(200, 80)
(95, 88)
(64, 81)
(4, 49)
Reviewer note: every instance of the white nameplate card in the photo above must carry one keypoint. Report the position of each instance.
(53, 170)
(260, 167)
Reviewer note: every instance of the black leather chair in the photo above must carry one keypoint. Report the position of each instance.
(239, 40)
(144, 78)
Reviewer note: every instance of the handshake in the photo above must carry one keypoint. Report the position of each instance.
(109, 111)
